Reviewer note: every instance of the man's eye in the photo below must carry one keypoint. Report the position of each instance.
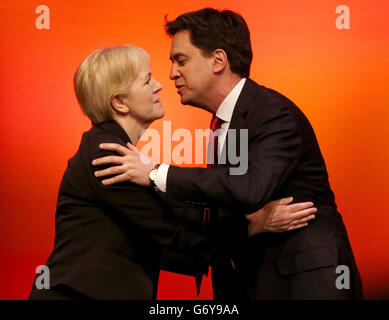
(181, 62)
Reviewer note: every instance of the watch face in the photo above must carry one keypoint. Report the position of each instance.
(152, 174)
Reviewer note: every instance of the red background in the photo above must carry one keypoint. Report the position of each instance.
(339, 78)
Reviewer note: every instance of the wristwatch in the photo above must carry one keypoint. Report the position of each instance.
(152, 175)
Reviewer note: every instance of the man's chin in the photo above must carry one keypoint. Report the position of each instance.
(185, 101)
(192, 103)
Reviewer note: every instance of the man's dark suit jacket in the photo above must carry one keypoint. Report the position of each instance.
(111, 241)
(284, 159)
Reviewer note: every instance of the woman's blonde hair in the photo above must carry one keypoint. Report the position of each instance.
(103, 74)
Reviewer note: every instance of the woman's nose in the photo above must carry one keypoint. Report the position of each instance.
(157, 86)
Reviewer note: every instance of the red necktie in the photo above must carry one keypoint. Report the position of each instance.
(215, 124)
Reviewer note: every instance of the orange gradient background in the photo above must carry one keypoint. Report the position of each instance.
(339, 78)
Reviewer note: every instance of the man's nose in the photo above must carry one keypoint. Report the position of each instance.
(174, 74)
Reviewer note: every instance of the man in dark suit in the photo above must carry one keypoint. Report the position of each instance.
(211, 57)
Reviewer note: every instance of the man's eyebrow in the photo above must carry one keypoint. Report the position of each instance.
(177, 56)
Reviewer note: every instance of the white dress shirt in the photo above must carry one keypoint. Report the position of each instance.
(224, 113)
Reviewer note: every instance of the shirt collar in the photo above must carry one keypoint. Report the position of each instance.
(226, 109)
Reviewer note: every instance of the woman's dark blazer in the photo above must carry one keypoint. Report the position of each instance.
(109, 239)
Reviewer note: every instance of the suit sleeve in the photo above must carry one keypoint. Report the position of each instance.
(274, 149)
(141, 208)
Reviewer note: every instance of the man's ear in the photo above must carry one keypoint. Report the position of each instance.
(220, 60)
(119, 104)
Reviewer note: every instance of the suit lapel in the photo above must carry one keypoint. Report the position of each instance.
(243, 104)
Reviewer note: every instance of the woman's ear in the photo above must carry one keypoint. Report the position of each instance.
(119, 103)
(219, 60)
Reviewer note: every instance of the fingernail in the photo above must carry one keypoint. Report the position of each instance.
(96, 174)
(94, 162)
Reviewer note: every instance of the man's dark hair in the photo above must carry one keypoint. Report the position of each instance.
(211, 29)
